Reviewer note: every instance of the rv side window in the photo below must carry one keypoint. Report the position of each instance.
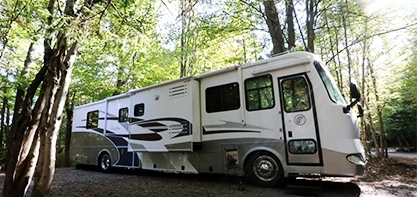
(92, 119)
(222, 98)
(139, 109)
(296, 94)
(259, 93)
(123, 114)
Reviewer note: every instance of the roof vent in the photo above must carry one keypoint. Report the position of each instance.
(178, 91)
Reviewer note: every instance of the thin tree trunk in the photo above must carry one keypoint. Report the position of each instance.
(7, 130)
(183, 69)
(20, 94)
(406, 142)
(344, 21)
(290, 23)
(300, 29)
(69, 109)
(382, 130)
(3, 115)
(339, 64)
(399, 141)
(30, 167)
(310, 14)
(373, 132)
(371, 126)
(364, 53)
(379, 108)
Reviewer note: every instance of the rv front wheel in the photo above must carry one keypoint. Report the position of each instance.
(265, 170)
(105, 162)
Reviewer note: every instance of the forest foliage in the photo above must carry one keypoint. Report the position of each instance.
(133, 44)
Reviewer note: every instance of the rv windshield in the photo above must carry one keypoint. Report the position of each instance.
(329, 83)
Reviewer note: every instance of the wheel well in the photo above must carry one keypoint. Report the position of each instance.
(101, 154)
(247, 161)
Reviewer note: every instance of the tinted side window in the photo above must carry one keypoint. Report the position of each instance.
(92, 119)
(222, 98)
(307, 146)
(139, 109)
(123, 114)
(259, 93)
(296, 94)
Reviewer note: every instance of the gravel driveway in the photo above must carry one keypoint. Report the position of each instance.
(390, 178)
(124, 183)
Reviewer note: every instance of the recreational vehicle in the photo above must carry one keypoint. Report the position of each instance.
(271, 119)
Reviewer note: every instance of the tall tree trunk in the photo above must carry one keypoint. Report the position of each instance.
(121, 79)
(344, 22)
(399, 141)
(310, 16)
(60, 76)
(406, 142)
(7, 130)
(274, 26)
(183, 67)
(371, 123)
(339, 63)
(20, 94)
(3, 115)
(364, 55)
(29, 169)
(301, 30)
(290, 23)
(69, 109)
(383, 141)
(373, 132)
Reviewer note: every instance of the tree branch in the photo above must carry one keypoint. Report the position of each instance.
(359, 40)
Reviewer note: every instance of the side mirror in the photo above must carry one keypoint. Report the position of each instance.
(354, 92)
(360, 110)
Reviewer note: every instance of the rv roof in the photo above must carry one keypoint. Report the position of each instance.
(285, 57)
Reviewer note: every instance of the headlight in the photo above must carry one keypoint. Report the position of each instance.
(355, 159)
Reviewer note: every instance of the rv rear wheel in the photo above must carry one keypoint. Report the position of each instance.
(105, 162)
(264, 169)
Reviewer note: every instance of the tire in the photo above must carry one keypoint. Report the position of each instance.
(264, 169)
(104, 162)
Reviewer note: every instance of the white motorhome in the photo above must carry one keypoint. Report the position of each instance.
(270, 119)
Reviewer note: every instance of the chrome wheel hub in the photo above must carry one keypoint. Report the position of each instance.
(105, 162)
(265, 168)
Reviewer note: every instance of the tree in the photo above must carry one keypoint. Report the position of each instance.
(274, 26)
(36, 128)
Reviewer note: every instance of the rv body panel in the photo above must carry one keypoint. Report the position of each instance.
(168, 120)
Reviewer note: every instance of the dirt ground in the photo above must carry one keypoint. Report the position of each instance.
(389, 177)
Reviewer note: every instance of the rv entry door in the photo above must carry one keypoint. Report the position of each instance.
(299, 121)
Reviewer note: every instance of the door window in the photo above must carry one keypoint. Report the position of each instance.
(296, 94)
(304, 146)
